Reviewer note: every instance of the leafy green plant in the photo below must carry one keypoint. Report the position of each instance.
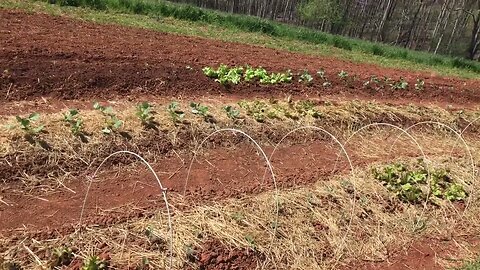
(61, 257)
(233, 76)
(373, 82)
(95, 263)
(259, 110)
(254, 73)
(226, 75)
(343, 75)
(411, 184)
(26, 124)
(175, 113)
(73, 120)
(276, 78)
(112, 123)
(307, 107)
(145, 114)
(210, 72)
(199, 109)
(305, 77)
(402, 84)
(232, 113)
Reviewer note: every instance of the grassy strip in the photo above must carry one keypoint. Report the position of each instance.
(472, 266)
(189, 20)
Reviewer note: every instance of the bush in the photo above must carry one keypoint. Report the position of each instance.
(96, 4)
(341, 43)
(465, 64)
(377, 50)
(72, 3)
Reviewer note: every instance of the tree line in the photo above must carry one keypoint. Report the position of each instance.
(450, 27)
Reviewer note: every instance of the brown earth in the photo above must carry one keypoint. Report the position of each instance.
(63, 58)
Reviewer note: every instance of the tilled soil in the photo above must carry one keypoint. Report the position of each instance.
(58, 57)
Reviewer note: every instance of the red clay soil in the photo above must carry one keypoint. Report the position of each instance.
(215, 256)
(424, 254)
(58, 57)
(218, 174)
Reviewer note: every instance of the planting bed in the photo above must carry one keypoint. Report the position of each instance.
(324, 207)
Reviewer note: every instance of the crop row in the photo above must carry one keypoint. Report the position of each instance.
(145, 113)
(226, 76)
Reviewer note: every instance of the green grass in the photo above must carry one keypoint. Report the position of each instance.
(187, 20)
(471, 266)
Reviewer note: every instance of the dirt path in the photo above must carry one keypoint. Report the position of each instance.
(80, 60)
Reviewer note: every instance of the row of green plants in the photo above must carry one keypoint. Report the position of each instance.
(227, 76)
(145, 113)
(234, 75)
(156, 9)
(415, 185)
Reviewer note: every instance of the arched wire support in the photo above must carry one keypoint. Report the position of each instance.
(403, 131)
(349, 163)
(459, 137)
(267, 161)
(162, 190)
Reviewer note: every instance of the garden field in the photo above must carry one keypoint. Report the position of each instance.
(128, 148)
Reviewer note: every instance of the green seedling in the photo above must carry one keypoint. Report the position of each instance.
(210, 72)
(259, 110)
(305, 77)
(73, 120)
(95, 263)
(61, 257)
(307, 107)
(199, 109)
(251, 241)
(175, 113)
(26, 124)
(343, 75)
(371, 82)
(112, 123)
(402, 84)
(276, 78)
(145, 114)
(455, 192)
(232, 113)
